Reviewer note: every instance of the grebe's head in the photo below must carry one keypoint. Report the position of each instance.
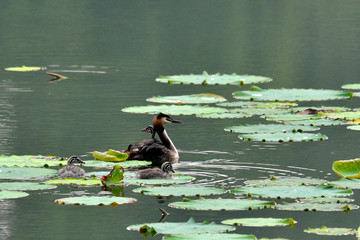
(167, 167)
(74, 159)
(161, 119)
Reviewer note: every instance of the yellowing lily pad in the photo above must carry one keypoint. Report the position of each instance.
(283, 137)
(213, 79)
(260, 222)
(12, 194)
(258, 94)
(331, 231)
(204, 98)
(220, 204)
(24, 186)
(269, 128)
(74, 181)
(210, 236)
(347, 168)
(95, 200)
(110, 156)
(30, 161)
(24, 69)
(25, 173)
(175, 109)
(180, 191)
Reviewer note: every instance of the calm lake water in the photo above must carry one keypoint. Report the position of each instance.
(112, 51)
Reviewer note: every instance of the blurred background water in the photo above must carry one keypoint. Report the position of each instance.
(112, 51)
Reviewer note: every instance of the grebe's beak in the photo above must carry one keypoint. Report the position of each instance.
(175, 121)
(81, 161)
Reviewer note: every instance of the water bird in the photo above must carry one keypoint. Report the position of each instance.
(71, 170)
(152, 149)
(165, 172)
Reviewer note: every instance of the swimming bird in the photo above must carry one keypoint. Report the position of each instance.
(152, 149)
(71, 170)
(165, 172)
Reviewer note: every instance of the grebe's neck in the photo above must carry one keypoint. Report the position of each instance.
(165, 139)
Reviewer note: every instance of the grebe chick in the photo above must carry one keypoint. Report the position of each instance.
(152, 149)
(71, 170)
(165, 172)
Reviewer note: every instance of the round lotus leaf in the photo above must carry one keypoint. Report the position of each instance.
(352, 183)
(251, 104)
(189, 227)
(124, 164)
(285, 181)
(341, 115)
(25, 173)
(30, 161)
(220, 204)
(96, 200)
(347, 168)
(260, 111)
(202, 98)
(290, 117)
(12, 194)
(224, 115)
(213, 79)
(175, 109)
(283, 137)
(354, 127)
(354, 86)
(269, 128)
(24, 186)
(324, 200)
(180, 191)
(260, 222)
(24, 69)
(258, 94)
(331, 231)
(323, 207)
(315, 122)
(176, 179)
(210, 236)
(322, 108)
(292, 192)
(74, 181)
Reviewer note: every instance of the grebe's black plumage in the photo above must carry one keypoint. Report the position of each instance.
(71, 170)
(152, 149)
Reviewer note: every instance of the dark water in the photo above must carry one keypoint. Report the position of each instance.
(111, 52)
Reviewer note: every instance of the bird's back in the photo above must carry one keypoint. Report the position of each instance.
(71, 171)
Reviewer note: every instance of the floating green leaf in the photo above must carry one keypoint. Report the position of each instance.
(96, 200)
(269, 128)
(283, 137)
(213, 79)
(124, 164)
(115, 176)
(315, 122)
(251, 104)
(12, 194)
(204, 98)
(210, 236)
(292, 192)
(30, 161)
(258, 94)
(176, 179)
(110, 156)
(313, 207)
(25, 173)
(260, 111)
(180, 191)
(224, 115)
(324, 200)
(189, 227)
(290, 117)
(24, 186)
(285, 181)
(260, 222)
(321, 108)
(351, 183)
(354, 86)
(347, 168)
(74, 181)
(24, 69)
(331, 231)
(354, 127)
(174, 109)
(341, 115)
(220, 204)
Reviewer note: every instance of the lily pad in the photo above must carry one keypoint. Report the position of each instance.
(74, 181)
(204, 98)
(189, 227)
(115, 176)
(313, 207)
(324, 200)
(30, 161)
(260, 111)
(321, 108)
(258, 94)
(355, 127)
(124, 164)
(354, 86)
(176, 179)
(220, 204)
(25, 173)
(269, 128)
(224, 115)
(292, 192)
(12, 194)
(24, 69)
(283, 137)
(213, 79)
(95, 200)
(331, 231)
(180, 191)
(110, 156)
(315, 122)
(351, 183)
(260, 222)
(285, 181)
(175, 109)
(210, 236)
(290, 117)
(24, 186)
(251, 104)
(341, 115)
(347, 168)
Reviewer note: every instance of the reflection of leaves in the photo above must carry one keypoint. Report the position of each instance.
(57, 77)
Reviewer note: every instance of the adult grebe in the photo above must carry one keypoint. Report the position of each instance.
(72, 171)
(165, 172)
(152, 149)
